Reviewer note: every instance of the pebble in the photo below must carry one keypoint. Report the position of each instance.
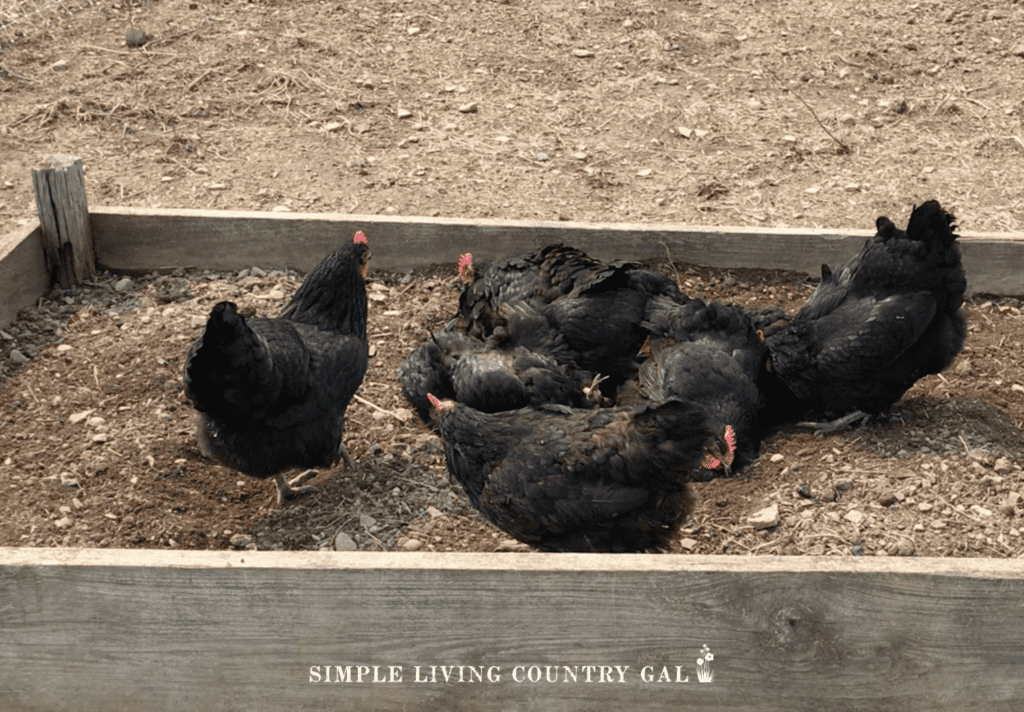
(470, 108)
(925, 507)
(80, 416)
(366, 521)
(512, 545)
(854, 516)
(63, 348)
(63, 523)
(434, 512)
(60, 65)
(412, 545)
(404, 114)
(777, 457)
(18, 357)
(241, 541)
(343, 542)
(582, 53)
(257, 272)
(688, 544)
(938, 524)
(765, 518)
(95, 421)
(124, 284)
(134, 37)
(847, 120)
(888, 499)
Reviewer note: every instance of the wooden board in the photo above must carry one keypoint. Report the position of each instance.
(138, 240)
(158, 630)
(23, 274)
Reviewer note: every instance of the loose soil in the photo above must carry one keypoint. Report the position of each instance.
(702, 113)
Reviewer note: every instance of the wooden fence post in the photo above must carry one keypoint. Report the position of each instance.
(59, 184)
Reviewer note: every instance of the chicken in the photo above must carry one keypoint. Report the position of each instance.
(591, 309)
(711, 354)
(272, 393)
(484, 375)
(886, 318)
(559, 479)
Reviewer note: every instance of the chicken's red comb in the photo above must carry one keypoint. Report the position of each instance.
(359, 238)
(434, 401)
(465, 264)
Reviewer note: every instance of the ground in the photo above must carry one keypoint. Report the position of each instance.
(781, 114)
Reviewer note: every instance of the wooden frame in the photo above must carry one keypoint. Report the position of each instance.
(166, 630)
(163, 630)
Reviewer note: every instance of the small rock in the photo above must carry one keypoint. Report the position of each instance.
(434, 512)
(888, 499)
(135, 37)
(777, 457)
(857, 550)
(512, 545)
(80, 416)
(1003, 466)
(470, 108)
(938, 524)
(765, 518)
(332, 127)
(804, 490)
(755, 104)
(925, 507)
(241, 541)
(854, 516)
(847, 120)
(95, 421)
(981, 511)
(61, 65)
(63, 348)
(63, 523)
(582, 53)
(18, 357)
(100, 438)
(413, 545)
(124, 284)
(404, 114)
(688, 544)
(366, 521)
(343, 542)
(258, 272)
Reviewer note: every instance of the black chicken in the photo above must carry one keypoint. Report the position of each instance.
(484, 376)
(711, 354)
(272, 393)
(592, 310)
(886, 318)
(559, 479)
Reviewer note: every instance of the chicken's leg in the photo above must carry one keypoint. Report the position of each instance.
(851, 420)
(286, 489)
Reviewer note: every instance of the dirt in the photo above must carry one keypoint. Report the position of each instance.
(703, 113)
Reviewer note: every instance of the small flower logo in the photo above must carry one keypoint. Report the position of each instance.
(704, 671)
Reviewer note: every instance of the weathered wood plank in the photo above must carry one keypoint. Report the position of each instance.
(23, 274)
(143, 240)
(59, 183)
(144, 630)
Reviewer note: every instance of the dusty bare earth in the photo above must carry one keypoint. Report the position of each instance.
(705, 113)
